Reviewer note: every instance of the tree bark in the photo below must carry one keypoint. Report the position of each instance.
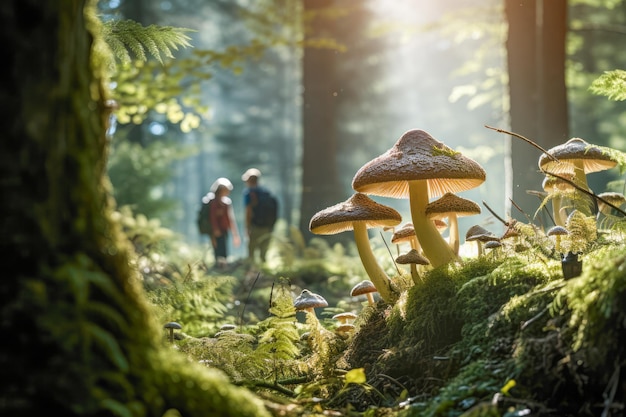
(78, 338)
(538, 102)
(321, 186)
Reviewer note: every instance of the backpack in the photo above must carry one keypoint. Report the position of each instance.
(203, 220)
(265, 212)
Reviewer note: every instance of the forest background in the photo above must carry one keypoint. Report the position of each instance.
(310, 91)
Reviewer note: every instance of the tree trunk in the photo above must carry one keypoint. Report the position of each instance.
(321, 186)
(78, 338)
(538, 102)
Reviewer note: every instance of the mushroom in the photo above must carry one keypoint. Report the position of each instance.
(420, 167)
(345, 318)
(171, 326)
(358, 214)
(452, 206)
(344, 330)
(413, 258)
(406, 234)
(309, 301)
(558, 232)
(614, 198)
(556, 187)
(480, 235)
(366, 288)
(577, 157)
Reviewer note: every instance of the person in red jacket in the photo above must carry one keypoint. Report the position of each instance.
(222, 219)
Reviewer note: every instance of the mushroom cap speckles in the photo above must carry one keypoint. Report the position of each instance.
(593, 157)
(412, 257)
(363, 287)
(451, 204)
(404, 234)
(358, 208)
(308, 299)
(418, 156)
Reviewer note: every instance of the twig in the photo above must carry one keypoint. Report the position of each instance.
(276, 387)
(589, 193)
(243, 309)
(609, 396)
(524, 139)
(390, 254)
(495, 215)
(534, 318)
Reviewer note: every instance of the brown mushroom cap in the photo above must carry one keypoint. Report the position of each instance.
(593, 157)
(418, 156)
(615, 198)
(551, 184)
(345, 317)
(404, 234)
(412, 257)
(479, 233)
(451, 204)
(358, 208)
(362, 288)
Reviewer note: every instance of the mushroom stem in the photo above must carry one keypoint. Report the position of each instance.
(559, 218)
(378, 277)
(434, 246)
(370, 298)
(453, 239)
(171, 329)
(414, 274)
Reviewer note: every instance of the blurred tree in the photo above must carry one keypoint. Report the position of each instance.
(79, 338)
(538, 102)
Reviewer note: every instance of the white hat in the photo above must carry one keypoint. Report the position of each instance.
(251, 172)
(225, 182)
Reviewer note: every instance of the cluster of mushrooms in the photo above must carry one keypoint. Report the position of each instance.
(420, 168)
(429, 174)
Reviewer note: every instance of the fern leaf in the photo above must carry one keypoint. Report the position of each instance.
(611, 84)
(126, 36)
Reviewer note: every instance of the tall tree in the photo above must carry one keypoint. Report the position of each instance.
(79, 339)
(538, 102)
(321, 186)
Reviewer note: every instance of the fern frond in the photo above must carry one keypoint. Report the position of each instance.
(611, 84)
(127, 36)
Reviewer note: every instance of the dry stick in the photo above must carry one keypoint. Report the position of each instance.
(495, 215)
(589, 193)
(524, 139)
(390, 254)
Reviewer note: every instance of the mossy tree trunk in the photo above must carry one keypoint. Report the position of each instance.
(77, 335)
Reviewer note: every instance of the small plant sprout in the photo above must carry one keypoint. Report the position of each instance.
(358, 214)
(365, 288)
(420, 167)
(413, 258)
(308, 301)
(557, 232)
(171, 326)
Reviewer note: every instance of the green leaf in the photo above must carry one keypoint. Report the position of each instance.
(356, 376)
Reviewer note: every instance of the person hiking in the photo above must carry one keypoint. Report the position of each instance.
(260, 214)
(222, 218)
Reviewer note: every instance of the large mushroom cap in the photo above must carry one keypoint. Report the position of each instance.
(358, 208)
(452, 204)
(593, 157)
(418, 156)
